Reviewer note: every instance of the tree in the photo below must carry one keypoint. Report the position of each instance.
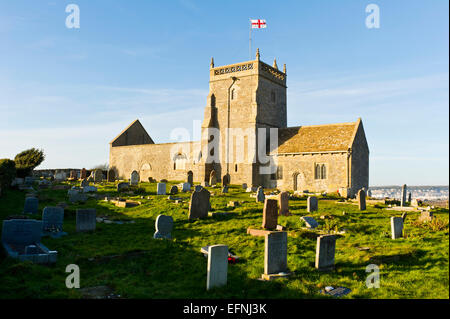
(7, 172)
(27, 160)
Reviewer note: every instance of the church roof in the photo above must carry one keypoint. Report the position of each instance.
(317, 138)
(133, 134)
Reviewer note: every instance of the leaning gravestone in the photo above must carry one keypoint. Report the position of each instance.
(163, 226)
(312, 204)
(111, 175)
(161, 189)
(31, 205)
(361, 199)
(396, 227)
(174, 190)
(275, 253)
(98, 176)
(199, 204)
(212, 178)
(325, 250)
(270, 214)
(260, 197)
(283, 202)
(134, 178)
(310, 222)
(86, 219)
(52, 221)
(217, 271)
(403, 198)
(21, 239)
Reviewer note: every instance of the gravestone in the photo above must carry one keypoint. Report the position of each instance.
(84, 182)
(190, 178)
(283, 202)
(270, 214)
(60, 176)
(86, 219)
(173, 190)
(369, 193)
(361, 199)
(98, 176)
(31, 205)
(310, 222)
(396, 227)
(312, 204)
(111, 175)
(325, 250)
(83, 174)
(409, 197)
(244, 186)
(224, 189)
(134, 178)
(161, 189)
(260, 197)
(403, 198)
(426, 216)
(18, 234)
(163, 226)
(226, 180)
(186, 187)
(198, 188)
(199, 204)
(73, 174)
(217, 270)
(404, 216)
(52, 222)
(275, 253)
(212, 178)
(123, 186)
(89, 189)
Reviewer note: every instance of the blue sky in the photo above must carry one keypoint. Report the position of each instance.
(71, 91)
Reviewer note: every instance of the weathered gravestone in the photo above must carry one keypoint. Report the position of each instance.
(83, 174)
(173, 190)
(52, 221)
(325, 250)
(199, 204)
(283, 202)
(60, 176)
(73, 174)
(212, 178)
(226, 180)
(396, 227)
(403, 198)
(98, 176)
(89, 189)
(310, 222)
(186, 187)
(409, 197)
(21, 238)
(163, 226)
(312, 204)
(84, 182)
(190, 178)
(275, 254)
(217, 271)
(426, 216)
(123, 186)
(76, 196)
(260, 197)
(31, 205)
(361, 199)
(224, 189)
(161, 189)
(134, 178)
(86, 219)
(244, 186)
(111, 175)
(270, 214)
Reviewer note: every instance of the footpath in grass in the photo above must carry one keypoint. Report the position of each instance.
(126, 259)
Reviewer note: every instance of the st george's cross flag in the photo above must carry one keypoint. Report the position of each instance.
(259, 24)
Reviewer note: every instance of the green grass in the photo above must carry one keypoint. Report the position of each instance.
(413, 267)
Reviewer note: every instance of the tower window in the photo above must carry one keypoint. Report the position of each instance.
(235, 167)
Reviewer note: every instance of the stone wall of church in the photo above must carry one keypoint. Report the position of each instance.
(359, 174)
(155, 160)
(298, 172)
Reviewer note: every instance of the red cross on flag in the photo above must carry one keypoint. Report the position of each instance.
(258, 24)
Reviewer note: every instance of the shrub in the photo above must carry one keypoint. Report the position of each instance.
(7, 172)
(27, 160)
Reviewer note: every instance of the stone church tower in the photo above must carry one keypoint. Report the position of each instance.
(243, 99)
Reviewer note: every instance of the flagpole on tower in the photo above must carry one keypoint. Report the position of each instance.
(250, 41)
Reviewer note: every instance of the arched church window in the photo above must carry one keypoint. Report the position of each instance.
(317, 171)
(180, 162)
(235, 167)
(323, 172)
(213, 100)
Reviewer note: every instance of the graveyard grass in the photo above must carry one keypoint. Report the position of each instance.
(127, 259)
